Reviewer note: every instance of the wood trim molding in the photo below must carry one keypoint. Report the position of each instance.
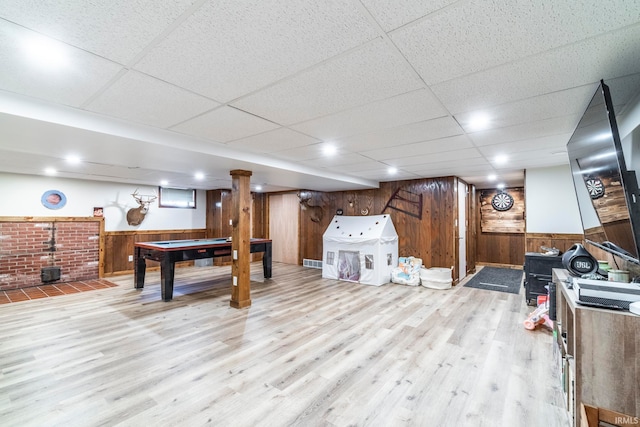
(50, 218)
(181, 231)
(565, 236)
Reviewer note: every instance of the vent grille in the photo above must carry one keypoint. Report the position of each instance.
(311, 263)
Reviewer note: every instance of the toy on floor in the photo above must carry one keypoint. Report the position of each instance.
(407, 272)
(540, 316)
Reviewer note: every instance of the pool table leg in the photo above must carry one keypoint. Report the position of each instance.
(139, 269)
(266, 261)
(167, 269)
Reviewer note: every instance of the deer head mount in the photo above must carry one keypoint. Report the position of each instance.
(315, 212)
(135, 216)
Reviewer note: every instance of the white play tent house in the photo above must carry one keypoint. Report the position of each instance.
(361, 249)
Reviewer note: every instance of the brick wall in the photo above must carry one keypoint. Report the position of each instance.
(28, 246)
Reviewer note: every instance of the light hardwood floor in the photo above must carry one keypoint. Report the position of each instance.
(308, 352)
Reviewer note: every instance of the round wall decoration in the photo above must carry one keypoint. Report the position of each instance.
(595, 187)
(502, 201)
(53, 199)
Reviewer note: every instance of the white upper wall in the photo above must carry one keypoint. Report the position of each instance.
(550, 201)
(21, 196)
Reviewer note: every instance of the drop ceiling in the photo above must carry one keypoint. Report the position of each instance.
(158, 90)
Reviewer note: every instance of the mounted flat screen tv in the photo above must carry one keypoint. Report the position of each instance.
(607, 192)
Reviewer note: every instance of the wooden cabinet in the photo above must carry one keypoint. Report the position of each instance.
(598, 352)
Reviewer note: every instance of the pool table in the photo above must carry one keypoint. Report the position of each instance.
(168, 252)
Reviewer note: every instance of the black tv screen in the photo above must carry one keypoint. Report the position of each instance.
(605, 189)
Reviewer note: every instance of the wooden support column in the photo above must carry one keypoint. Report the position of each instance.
(240, 238)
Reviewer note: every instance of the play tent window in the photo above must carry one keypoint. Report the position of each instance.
(368, 262)
(177, 198)
(330, 256)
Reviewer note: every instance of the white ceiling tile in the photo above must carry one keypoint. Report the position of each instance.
(73, 83)
(229, 48)
(567, 103)
(454, 42)
(114, 29)
(299, 73)
(299, 154)
(360, 164)
(624, 89)
(451, 164)
(580, 64)
(401, 135)
(368, 74)
(440, 145)
(535, 129)
(442, 157)
(393, 14)
(273, 141)
(398, 110)
(339, 160)
(144, 99)
(534, 161)
(225, 124)
(382, 175)
(522, 148)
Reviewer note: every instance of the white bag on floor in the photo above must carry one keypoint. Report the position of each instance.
(436, 278)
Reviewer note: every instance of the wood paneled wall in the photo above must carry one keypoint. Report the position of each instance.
(119, 245)
(500, 248)
(551, 240)
(508, 248)
(423, 211)
(509, 221)
(219, 213)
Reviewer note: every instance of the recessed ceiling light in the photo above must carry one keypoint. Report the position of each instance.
(501, 159)
(50, 171)
(479, 121)
(199, 175)
(329, 149)
(492, 177)
(164, 182)
(500, 186)
(73, 159)
(392, 170)
(258, 187)
(46, 52)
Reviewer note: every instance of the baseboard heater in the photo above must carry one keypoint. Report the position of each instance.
(312, 263)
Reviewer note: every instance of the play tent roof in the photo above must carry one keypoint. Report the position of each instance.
(361, 229)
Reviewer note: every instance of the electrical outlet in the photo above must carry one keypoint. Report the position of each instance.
(130, 258)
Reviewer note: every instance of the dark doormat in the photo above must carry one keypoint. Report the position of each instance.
(497, 279)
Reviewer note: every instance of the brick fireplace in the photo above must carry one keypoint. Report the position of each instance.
(34, 251)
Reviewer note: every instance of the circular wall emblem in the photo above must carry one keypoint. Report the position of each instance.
(502, 202)
(53, 199)
(595, 187)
